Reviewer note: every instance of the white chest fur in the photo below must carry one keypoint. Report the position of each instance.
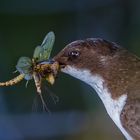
(113, 107)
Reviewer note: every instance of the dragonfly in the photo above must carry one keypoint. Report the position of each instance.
(39, 68)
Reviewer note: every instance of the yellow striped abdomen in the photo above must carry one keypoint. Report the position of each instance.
(13, 81)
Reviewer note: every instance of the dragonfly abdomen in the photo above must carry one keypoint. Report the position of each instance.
(13, 81)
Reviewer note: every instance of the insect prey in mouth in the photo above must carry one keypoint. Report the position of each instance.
(39, 68)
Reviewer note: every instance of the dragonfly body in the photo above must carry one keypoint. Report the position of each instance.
(13, 81)
(44, 70)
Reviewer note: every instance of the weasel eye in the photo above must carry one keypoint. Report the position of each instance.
(74, 54)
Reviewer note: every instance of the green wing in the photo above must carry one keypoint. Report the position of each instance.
(43, 52)
(24, 66)
(47, 44)
(38, 52)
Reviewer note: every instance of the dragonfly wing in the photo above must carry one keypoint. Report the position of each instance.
(43, 52)
(47, 45)
(24, 66)
(38, 52)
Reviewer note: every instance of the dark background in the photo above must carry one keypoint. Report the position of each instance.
(79, 114)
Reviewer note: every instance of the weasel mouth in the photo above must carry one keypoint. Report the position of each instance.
(61, 65)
